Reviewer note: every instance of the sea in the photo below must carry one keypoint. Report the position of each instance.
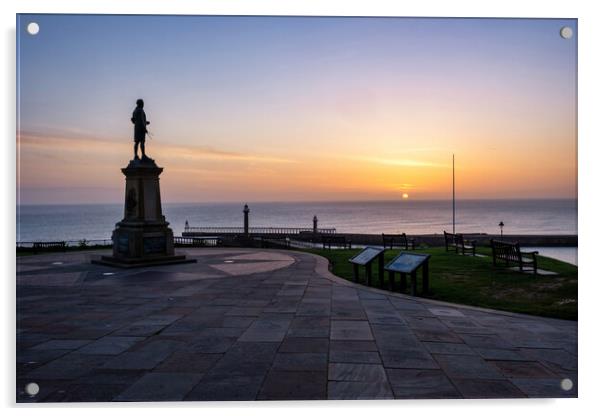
(96, 222)
(74, 223)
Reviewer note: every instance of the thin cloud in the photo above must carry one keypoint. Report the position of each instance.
(400, 162)
(426, 149)
(194, 153)
(67, 143)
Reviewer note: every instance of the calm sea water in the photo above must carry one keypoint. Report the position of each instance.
(566, 254)
(76, 222)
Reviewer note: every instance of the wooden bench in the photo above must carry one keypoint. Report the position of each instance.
(511, 253)
(49, 246)
(458, 242)
(336, 241)
(398, 240)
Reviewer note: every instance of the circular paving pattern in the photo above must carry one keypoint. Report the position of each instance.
(67, 269)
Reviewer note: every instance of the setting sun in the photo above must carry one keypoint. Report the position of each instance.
(405, 196)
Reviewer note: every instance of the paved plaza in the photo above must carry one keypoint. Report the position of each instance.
(252, 324)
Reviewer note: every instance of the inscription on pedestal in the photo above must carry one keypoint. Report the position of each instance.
(154, 245)
(123, 244)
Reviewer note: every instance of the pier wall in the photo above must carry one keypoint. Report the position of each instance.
(427, 239)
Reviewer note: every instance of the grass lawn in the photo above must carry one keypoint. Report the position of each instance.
(475, 281)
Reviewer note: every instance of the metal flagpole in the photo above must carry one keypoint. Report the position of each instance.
(453, 193)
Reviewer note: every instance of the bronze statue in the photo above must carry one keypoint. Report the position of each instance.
(140, 123)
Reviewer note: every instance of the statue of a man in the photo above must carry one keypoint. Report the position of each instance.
(140, 123)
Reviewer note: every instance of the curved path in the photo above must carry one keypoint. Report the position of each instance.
(250, 324)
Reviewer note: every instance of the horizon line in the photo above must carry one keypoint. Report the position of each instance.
(242, 202)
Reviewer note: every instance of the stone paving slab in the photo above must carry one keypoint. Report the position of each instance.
(110, 345)
(33, 358)
(357, 390)
(309, 327)
(467, 366)
(62, 344)
(267, 329)
(431, 335)
(274, 326)
(487, 389)
(232, 388)
(292, 344)
(356, 372)
(558, 360)
(358, 357)
(448, 348)
(421, 384)
(501, 354)
(144, 358)
(350, 331)
(67, 367)
(522, 369)
(294, 385)
(408, 358)
(111, 377)
(188, 362)
(300, 361)
(160, 387)
(352, 346)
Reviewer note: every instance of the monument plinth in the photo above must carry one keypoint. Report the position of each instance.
(143, 236)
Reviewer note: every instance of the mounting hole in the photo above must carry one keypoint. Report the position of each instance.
(32, 389)
(566, 32)
(33, 28)
(566, 384)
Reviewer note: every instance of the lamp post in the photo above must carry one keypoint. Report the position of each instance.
(246, 220)
(453, 193)
(501, 225)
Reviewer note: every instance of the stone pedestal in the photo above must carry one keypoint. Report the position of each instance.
(143, 237)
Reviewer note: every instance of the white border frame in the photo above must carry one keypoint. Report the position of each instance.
(590, 169)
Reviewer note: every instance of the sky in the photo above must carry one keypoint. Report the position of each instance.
(297, 108)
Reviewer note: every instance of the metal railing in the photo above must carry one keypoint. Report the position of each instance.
(66, 243)
(258, 230)
(197, 241)
(52, 246)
